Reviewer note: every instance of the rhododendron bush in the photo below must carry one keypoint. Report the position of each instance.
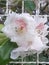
(25, 35)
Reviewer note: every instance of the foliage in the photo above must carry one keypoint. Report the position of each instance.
(29, 6)
(5, 48)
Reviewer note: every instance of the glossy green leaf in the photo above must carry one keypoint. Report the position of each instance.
(29, 6)
(5, 50)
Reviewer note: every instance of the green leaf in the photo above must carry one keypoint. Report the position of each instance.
(2, 3)
(2, 38)
(1, 26)
(29, 6)
(2, 35)
(5, 50)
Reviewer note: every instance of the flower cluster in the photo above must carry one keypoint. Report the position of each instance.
(29, 33)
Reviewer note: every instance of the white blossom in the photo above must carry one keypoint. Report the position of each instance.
(29, 33)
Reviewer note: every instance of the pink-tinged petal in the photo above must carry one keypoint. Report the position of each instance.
(21, 22)
(40, 26)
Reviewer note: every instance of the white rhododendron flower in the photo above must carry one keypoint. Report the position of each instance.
(29, 33)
